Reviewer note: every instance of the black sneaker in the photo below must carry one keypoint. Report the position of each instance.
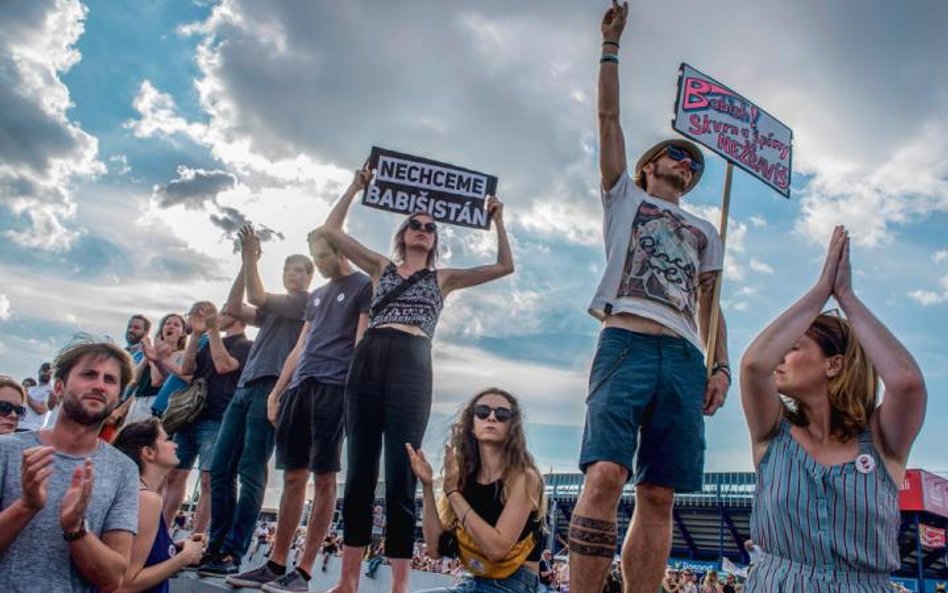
(219, 567)
(253, 578)
(291, 582)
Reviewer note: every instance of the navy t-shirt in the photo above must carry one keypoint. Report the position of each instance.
(280, 320)
(333, 313)
(221, 388)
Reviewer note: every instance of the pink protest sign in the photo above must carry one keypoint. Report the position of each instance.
(713, 115)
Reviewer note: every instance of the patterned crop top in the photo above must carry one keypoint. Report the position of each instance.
(420, 305)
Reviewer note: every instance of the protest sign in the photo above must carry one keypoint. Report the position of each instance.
(744, 134)
(406, 184)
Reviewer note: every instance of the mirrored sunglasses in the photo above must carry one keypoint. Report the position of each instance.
(677, 154)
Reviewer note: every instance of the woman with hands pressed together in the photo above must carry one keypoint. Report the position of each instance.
(388, 389)
(162, 360)
(829, 458)
(492, 508)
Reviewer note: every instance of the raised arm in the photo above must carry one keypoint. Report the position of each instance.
(223, 361)
(371, 262)
(452, 279)
(235, 299)
(762, 406)
(900, 417)
(611, 141)
(250, 251)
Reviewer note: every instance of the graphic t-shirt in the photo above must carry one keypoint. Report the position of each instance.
(655, 254)
(38, 559)
(333, 312)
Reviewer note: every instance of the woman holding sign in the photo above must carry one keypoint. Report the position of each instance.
(492, 510)
(388, 391)
(828, 458)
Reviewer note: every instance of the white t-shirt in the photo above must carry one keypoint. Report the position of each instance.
(34, 421)
(655, 253)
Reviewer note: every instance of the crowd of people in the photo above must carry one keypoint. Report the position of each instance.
(95, 455)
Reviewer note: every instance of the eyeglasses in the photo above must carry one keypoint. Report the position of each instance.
(416, 225)
(677, 154)
(7, 407)
(502, 414)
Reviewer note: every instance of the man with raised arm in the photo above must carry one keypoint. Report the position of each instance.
(307, 407)
(245, 441)
(648, 387)
(68, 501)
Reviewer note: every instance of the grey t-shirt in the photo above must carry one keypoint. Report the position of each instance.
(38, 559)
(280, 321)
(333, 313)
(655, 254)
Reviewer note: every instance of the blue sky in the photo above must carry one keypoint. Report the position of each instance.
(125, 127)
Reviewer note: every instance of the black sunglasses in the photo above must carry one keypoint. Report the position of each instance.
(416, 225)
(502, 414)
(7, 407)
(677, 154)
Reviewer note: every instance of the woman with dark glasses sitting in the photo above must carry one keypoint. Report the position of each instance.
(829, 458)
(388, 390)
(12, 404)
(492, 506)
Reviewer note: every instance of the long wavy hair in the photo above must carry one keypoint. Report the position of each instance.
(398, 242)
(184, 335)
(517, 459)
(854, 391)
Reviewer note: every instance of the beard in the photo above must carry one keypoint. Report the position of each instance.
(131, 339)
(671, 177)
(75, 411)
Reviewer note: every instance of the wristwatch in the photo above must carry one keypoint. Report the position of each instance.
(71, 536)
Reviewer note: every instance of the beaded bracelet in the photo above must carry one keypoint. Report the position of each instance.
(609, 58)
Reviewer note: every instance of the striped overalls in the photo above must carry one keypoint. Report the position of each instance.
(823, 529)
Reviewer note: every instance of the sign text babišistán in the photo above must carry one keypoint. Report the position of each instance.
(406, 184)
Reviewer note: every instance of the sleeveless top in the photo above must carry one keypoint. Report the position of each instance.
(161, 549)
(420, 305)
(823, 528)
(485, 501)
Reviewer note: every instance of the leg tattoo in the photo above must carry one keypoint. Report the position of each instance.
(592, 537)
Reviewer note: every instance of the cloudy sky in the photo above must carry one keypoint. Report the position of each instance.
(136, 137)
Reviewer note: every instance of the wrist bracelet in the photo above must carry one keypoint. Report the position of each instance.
(450, 492)
(609, 58)
(724, 368)
(612, 43)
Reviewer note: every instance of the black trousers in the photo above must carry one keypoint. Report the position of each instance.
(388, 400)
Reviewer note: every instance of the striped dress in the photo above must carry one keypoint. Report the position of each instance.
(823, 529)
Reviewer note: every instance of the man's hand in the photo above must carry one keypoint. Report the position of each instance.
(273, 408)
(203, 316)
(362, 178)
(35, 470)
(77, 497)
(715, 393)
(249, 244)
(613, 22)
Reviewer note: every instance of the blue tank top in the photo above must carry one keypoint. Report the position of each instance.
(420, 305)
(823, 528)
(161, 549)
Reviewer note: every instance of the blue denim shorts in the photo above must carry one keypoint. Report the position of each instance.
(196, 441)
(646, 396)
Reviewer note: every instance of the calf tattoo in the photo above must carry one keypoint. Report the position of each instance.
(592, 537)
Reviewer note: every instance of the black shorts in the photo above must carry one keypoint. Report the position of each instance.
(310, 427)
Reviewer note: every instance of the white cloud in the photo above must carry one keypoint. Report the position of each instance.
(42, 152)
(940, 257)
(5, 310)
(118, 165)
(158, 116)
(760, 266)
(758, 221)
(931, 297)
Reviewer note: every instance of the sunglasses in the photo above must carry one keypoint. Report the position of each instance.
(677, 154)
(502, 414)
(416, 225)
(7, 407)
